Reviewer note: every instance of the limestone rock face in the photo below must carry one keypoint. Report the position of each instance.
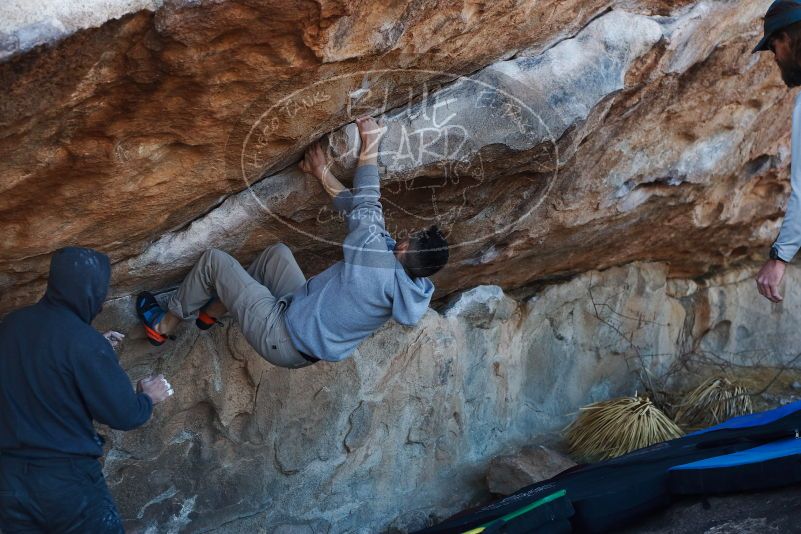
(403, 433)
(511, 472)
(548, 138)
(606, 170)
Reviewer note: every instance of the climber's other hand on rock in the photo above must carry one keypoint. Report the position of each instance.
(314, 161)
(769, 279)
(370, 132)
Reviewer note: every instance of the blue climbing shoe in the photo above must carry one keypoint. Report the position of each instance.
(150, 313)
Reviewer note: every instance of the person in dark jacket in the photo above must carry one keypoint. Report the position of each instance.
(57, 374)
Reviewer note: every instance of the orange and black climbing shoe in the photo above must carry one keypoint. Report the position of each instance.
(150, 313)
(205, 321)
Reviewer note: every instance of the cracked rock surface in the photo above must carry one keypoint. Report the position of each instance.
(608, 171)
(403, 433)
(580, 135)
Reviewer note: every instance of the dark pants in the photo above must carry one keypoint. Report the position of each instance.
(55, 495)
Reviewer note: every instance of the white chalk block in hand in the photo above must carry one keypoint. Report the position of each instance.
(114, 337)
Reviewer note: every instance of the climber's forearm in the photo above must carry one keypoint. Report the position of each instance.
(368, 158)
(330, 183)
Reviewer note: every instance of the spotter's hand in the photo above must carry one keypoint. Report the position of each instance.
(113, 337)
(155, 387)
(769, 279)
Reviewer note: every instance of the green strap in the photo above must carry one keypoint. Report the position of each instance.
(517, 513)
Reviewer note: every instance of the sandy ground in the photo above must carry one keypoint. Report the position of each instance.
(777, 511)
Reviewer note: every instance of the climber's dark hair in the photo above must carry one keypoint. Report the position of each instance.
(426, 254)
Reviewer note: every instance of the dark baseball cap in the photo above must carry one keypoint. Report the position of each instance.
(781, 14)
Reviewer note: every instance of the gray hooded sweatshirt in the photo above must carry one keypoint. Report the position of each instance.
(335, 310)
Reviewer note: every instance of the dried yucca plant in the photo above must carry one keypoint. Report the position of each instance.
(713, 402)
(615, 427)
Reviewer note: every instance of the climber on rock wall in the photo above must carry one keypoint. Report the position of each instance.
(57, 374)
(783, 37)
(293, 322)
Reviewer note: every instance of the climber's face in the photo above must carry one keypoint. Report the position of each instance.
(782, 47)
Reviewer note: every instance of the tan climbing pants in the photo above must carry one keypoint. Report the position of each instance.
(257, 298)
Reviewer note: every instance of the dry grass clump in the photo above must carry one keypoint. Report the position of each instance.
(615, 427)
(713, 402)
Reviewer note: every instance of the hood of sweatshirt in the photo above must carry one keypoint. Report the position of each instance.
(78, 281)
(412, 296)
